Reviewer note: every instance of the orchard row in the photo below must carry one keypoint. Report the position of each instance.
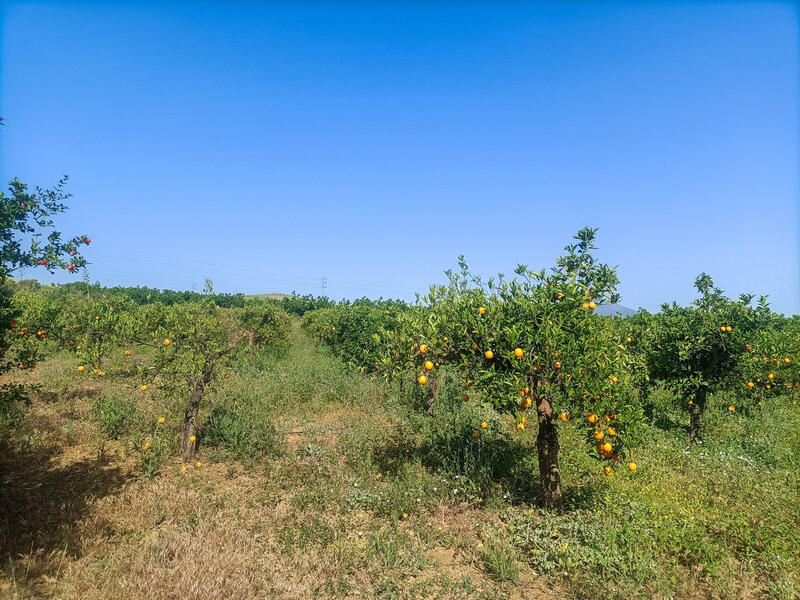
(534, 344)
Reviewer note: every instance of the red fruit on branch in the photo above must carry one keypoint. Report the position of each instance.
(42, 262)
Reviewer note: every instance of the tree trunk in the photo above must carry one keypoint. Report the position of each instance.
(696, 414)
(547, 445)
(190, 416)
(190, 423)
(432, 391)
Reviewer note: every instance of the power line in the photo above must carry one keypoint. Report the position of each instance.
(141, 261)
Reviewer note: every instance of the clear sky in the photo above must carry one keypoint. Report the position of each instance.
(266, 145)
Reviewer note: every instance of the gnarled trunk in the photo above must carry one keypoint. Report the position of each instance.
(190, 416)
(547, 445)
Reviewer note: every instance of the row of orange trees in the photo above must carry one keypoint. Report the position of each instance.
(534, 348)
(183, 348)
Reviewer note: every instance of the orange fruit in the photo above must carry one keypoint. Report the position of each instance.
(564, 417)
(629, 340)
(227, 375)
(128, 352)
(484, 425)
(607, 447)
(608, 471)
(612, 431)
(518, 353)
(428, 365)
(729, 329)
(167, 342)
(520, 426)
(559, 296)
(592, 305)
(592, 418)
(423, 349)
(482, 310)
(489, 355)
(558, 364)
(162, 420)
(771, 376)
(476, 434)
(722, 328)
(750, 384)
(198, 464)
(731, 408)
(192, 438)
(584, 305)
(81, 369)
(598, 435)
(786, 360)
(143, 388)
(422, 380)
(465, 398)
(632, 466)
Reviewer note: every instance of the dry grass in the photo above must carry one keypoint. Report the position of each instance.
(78, 525)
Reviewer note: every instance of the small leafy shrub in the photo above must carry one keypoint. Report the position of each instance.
(244, 428)
(154, 444)
(115, 415)
(455, 442)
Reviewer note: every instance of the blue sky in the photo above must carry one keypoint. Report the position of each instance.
(266, 145)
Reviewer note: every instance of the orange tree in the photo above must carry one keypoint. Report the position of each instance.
(772, 367)
(28, 238)
(699, 349)
(190, 343)
(92, 327)
(354, 331)
(532, 344)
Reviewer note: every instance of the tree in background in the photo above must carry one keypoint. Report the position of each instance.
(699, 349)
(29, 238)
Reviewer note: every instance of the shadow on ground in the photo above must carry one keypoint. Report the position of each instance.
(45, 506)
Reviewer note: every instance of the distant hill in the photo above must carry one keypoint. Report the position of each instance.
(608, 310)
(273, 296)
